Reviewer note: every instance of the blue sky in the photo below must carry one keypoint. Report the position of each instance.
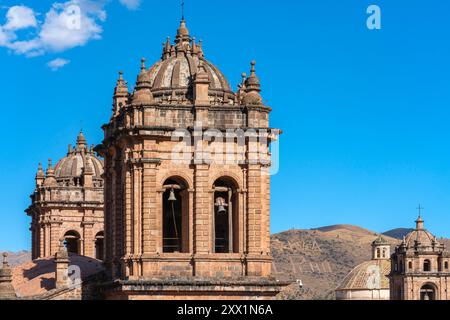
(364, 113)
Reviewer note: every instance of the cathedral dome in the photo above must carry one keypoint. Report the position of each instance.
(368, 276)
(173, 76)
(78, 160)
(420, 236)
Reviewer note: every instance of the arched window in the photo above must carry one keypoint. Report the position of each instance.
(226, 216)
(175, 216)
(427, 292)
(378, 253)
(72, 242)
(99, 245)
(384, 252)
(410, 265)
(427, 266)
(446, 265)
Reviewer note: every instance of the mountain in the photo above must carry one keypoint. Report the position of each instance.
(320, 258)
(16, 258)
(398, 233)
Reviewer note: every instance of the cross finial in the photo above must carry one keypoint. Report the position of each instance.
(420, 208)
(182, 9)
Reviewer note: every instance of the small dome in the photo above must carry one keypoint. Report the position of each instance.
(365, 276)
(420, 236)
(72, 166)
(380, 241)
(424, 237)
(252, 98)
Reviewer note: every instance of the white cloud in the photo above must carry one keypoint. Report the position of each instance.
(70, 25)
(20, 17)
(131, 4)
(66, 25)
(57, 63)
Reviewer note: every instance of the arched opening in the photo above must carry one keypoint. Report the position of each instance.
(428, 292)
(446, 265)
(99, 245)
(427, 266)
(72, 242)
(378, 253)
(226, 216)
(384, 253)
(175, 216)
(410, 265)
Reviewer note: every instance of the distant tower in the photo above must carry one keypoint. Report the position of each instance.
(171, 224)
(420, 267)
(68, 203)
(381, 249)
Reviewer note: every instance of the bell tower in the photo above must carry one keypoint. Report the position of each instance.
(187, 184)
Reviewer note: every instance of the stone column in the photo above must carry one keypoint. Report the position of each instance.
(150, 210)
(88, 237)
(202, 211)
(254, 210)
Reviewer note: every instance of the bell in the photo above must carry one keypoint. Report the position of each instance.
(221, 210)
(172, 197)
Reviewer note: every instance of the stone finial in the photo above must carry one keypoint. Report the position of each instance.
(243, 76)
(252, 81)
(252, 88)
(81, 140)
(50, 172)
(202, 74)
(420, 223)
(142, 94)
(166, 49)
(62, 265)
(143, 65)
(40, 175)
(200, 48)
(50, 179)
(6, 288)
(182, 32)
(121, 89)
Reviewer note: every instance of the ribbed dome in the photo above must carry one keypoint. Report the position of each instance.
(77, 159)
(420, 236)
(424, 237)
(366, 275)
(173, 76)
(178, 72)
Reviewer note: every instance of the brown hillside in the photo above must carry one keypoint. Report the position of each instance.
(320, 258)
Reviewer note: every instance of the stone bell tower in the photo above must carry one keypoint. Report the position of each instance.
(68, 203)
(420, 267)
(187, 184)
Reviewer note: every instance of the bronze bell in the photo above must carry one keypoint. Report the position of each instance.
(172, 196)
(220, 203)
(221, 210)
